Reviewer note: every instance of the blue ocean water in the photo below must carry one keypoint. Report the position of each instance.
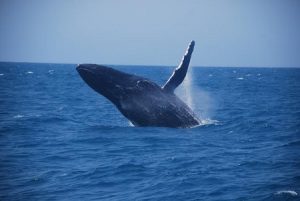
(60, 140)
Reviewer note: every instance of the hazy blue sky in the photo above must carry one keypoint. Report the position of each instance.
(153, 32)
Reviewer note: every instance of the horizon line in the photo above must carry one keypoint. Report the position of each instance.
(145, 65)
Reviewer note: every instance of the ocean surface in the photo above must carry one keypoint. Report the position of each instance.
(60, 140)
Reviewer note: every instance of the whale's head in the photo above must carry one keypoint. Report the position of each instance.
(113, 84)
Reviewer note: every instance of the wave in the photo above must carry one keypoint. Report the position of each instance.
(293, 143)
(287, 192)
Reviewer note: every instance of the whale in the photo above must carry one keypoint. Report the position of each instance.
(143, 102)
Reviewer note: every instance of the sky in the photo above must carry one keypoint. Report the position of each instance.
(258, 33)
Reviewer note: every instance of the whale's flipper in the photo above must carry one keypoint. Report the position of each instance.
(179, 73)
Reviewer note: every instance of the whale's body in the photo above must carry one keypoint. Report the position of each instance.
(140, 100)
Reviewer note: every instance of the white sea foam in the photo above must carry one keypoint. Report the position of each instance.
(287, 192)
(205, 122)
(18, 116)
(51, 71)
(29, 72)
(240, 78)
(1, 74)
(208, 122)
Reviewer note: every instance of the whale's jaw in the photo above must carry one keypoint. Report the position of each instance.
(104, 80)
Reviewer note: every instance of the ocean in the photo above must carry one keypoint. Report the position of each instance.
(60, 140)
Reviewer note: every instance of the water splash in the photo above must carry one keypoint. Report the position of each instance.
(196, 98)
(187, 89)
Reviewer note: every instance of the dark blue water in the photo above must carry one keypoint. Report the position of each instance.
(59, 140)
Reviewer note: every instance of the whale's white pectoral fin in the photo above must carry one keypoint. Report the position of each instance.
(180, 72)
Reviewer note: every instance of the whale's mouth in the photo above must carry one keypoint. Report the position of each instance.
(82, 70)
(99, 81)
(90, 77)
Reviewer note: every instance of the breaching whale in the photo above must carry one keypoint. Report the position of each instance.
(141, 101)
